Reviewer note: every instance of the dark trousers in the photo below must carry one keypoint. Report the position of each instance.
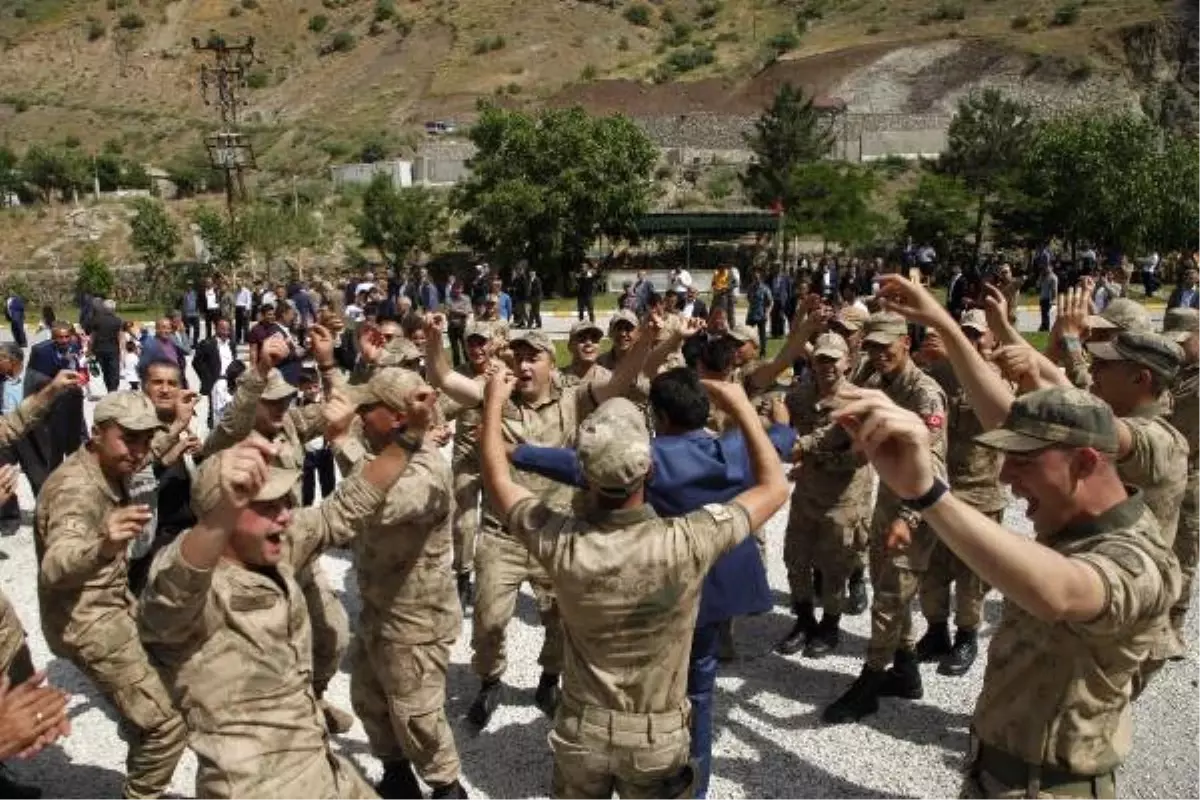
(702, 680)
(1045, 303)
(520, 319)
(778, 320)
(317, 466)
(535, 313)
(18, 332)
(210, 322)
(192, 326)
(241, 324)
(458, 344)
(762, 335)
(110, 368)
(584, 303)
(1149, 282)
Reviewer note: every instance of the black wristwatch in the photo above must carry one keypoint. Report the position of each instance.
(408, 442)
(930, 497)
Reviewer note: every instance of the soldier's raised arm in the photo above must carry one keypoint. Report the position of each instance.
(460, 388)
(14, 424)
(238, 421)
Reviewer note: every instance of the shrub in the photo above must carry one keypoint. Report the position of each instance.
(487, 44)
(637, 14)
(709, 9)
(131, 21)
(384, 10)
(403, 25)
(235, 11)
(686, 59)
(342, 42)
(946, 11)
(318, 23)
(250, 5)
(1065, 14)
(95, 29)
(783, 41)
(258, 79)
(588, 73)
(1021, 22)
(872, 30)
(514, 88)
(680, 33)
(623, 43)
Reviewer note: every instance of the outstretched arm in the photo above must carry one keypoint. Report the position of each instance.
(459, 388)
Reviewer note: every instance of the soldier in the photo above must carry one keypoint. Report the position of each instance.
(227, 622)
(900, 546)
(1068, 340)
(542, 412)
(584, 345)
(83, 527)
(622, 330)
(829, 511)
(1181, 325)
(629, 584)
(1083, 599)
(264, 404)
(974, 473)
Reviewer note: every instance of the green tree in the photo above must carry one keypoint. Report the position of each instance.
(937, 211)
(11, 181)
(397, 222)
(271, 230)
(55, 172)
(1174, 225)
(543, 188)
(986, 142)
(94, 278)
(225, 240)
(833, 200)
(155, 237)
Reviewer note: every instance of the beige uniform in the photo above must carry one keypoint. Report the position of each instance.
(629, 587)
(567, 378)
(330, 626)
(895, 576)
(1186, 419)
(235, 646)
(830, 509)
(410, 619)
(467, 480)
(1056, 694)
(90, 618)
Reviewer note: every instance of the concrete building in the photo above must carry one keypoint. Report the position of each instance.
(400, 172)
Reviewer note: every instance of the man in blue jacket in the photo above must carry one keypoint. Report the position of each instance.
(690, 469)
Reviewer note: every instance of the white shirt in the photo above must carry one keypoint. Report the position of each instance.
(129, 368)
(225, 353)
(683, 280)
(210, 298)
(354, 313)
(689, 310)
(244, 298)
(220, 399)
(365, 286)
(268, 298)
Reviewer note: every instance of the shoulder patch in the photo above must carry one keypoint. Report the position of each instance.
(720, 513)
(935, 422)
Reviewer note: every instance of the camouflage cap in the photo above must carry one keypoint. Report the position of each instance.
(852, 318)
(585, 325)
(1180, 323)
(624, 315)
(1122, 314)
(277, 388)
(1055, 417)
(480, 329)
(885, 327)
(392, 386)
(400, 351)
(133, 411)
(206, 486)
(1156, 353)
(975, 319)
(535, 339)
(830, 345)
(614, 447)
(742, 334)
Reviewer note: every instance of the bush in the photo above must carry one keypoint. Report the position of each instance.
(637, 14)
(131, 21)
(342, 42)
(946, 11)
(1066, 14)
(872, 30)
(623, 44)
(686, 59)
(235, 11)
(384, 10)
(95, 29)
(403, 26)
(20, 105)
(708, 9)
(514, 88)
(1021, 22)
(488, 44)
(94, 278)
(250, 5)
(318, 23)
(258, 79)
(215, 40)
(783, 41)
(588, 73)
(374, 149)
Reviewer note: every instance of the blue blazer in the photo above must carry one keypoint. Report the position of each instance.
(691, 471)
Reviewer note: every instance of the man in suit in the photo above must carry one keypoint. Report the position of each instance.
(1185, 294)
(213, 357)
(63, 429)
(16, 318)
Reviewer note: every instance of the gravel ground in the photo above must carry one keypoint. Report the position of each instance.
(768, 740)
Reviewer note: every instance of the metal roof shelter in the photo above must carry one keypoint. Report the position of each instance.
(707, 224)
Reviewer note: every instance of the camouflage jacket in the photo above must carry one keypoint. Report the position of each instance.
(974, 470)
(1157, 464)
(1185, 413)
(831, 475)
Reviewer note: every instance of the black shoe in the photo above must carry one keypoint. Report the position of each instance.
(962, 655)
(485, 704)
(454, 790)
(399, 782)
(548, 694)
(818, 585)
(806, 625)
(464, 590)
(857, 591)
(11, 787)
(903, 678)
(824, 640)
(935, 644)
(860, 700)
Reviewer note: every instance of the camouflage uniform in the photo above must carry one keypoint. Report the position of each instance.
(467, 483)
(88, 615)
(1121, 314)
(629, 585)
(235, 646)
(1179, 325)
(330, 626)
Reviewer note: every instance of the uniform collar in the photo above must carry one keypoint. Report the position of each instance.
(1154, 408)
(1123, 515)
(621, 517)
(91, 465)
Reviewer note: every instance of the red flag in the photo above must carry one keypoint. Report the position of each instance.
(777, 207)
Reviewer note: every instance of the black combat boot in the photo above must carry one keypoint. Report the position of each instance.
(10, 787)
(860, 700)
(806, 625)
(548, 694)
(962, 655)
(935, 644)
(399, 782)
(818, 586)
(824, 640)
(464, 590)
(904, 677)
(450, 790)
(857, 594)
(485, 703)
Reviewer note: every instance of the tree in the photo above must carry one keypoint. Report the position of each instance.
(832, 200)
(937, 211)
(271, 230)
(95, 278)
(986, 142)
(544, 188)
(154, 236)
(397, 222)
(11, 181)
(225, 240)
(1174, 226)
(789, 133)
(56, 171)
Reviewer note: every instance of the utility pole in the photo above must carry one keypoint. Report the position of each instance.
(228, 150)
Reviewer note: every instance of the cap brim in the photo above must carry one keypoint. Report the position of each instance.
(280, 393)
(975, 326)
(853, 327)
(141, 424)
(586, 328)
(1105, 351)
(1179, 337)
(879, 337)
(827, 353)
(359, 395)
(1097, 321)
(534, 345)
(1010, 441)
(279, 484)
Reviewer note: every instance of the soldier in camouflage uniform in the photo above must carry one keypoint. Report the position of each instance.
(264, 404)
(1180, 325)
(1069, 337)
(849, 322)
(226, 620)
(1083, 599)
(584, 346)
(830, 504)
(900, 545)
(629, 584)
(83, 528)
(974, 473)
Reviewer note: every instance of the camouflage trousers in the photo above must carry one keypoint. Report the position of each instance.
(983, 785)
(149, 724)
(895, 579)
(946, 568)
(330, 625)
(502, 564)
(597, 752)
(465, 523)
(15, 659)
(324, 775)
(825, 540)
(1187, 550)
(398, 691)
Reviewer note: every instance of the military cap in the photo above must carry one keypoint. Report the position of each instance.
(206, 488)
(885, 327)
(392, 386)
(624, 315)
(480, 329)
(975, 319)
(1180, 323)
(535, 339)
(133, 411)
(400, 351)
(585, 325)
(613, 447)
(1121, 314)
(852, 318)
(1055, 417)
(830, 345)
(277, 388)
(1156, 353)
(742, 334)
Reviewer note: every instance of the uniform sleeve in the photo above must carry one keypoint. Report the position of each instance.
(308, 420)
(72, 537)
(537, 526)
(238, 420)
(336, 521)
(1133, 587)
(173, 603)
(830, 447)
(1149, 459)
(713, 531)
(14, 424)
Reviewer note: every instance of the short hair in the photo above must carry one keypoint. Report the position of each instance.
(307, 375)
(411, 323)
(678, 396)
(144, 369)
(233, 372)
(718, 354)
(13, 351)
(174, 315)
(111, 305)
(61, 325)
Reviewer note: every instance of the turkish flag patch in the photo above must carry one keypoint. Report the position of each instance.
(935, 422)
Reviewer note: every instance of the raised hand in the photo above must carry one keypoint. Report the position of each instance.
(122, 524)
(8, 482)
(895, 440)
(726, 395)
(243, 471)
(912, 301)
(185, 407)
(500, 386)
(320, 343)
(273, 351)
(338, 413)
(62, 381)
